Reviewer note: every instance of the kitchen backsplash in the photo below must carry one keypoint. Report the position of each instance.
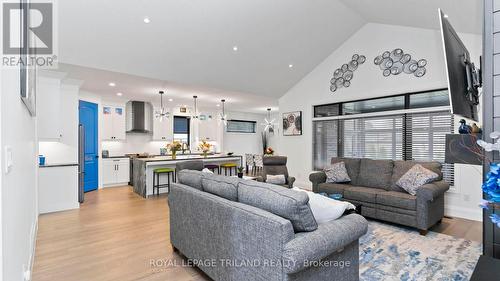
(135, 143)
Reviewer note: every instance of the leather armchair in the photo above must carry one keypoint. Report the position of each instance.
(276, 165)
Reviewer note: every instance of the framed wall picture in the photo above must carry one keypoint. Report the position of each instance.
(292, 123)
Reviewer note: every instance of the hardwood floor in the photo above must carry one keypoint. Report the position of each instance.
(113, 236)
(116, 234)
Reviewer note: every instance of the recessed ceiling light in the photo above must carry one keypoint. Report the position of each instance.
(119, 94)
(217, 105)
(446, 16)
(147, 20)
(290, 65)
(112, 84)
(235, 48)
(170, 99)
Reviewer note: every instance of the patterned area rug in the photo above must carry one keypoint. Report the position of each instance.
(390, 252)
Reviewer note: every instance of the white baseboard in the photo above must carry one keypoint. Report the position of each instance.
(60, 207)
(34, 232)
(475, 214)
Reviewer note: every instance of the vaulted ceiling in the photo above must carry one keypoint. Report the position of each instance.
(191, 42)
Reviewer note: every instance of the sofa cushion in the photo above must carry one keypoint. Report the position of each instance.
(397, 199)
(375, 173)
(332, 188)
(364, 194)
(401, 167)
(191, 178)
(352, 167)
(337, 173)
(416, 177)
(225, 187)
(287, 203)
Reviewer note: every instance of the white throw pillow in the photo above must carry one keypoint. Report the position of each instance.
(337, 173)
(206, 170)
(276, 179)
(326, 209)
(417, 176)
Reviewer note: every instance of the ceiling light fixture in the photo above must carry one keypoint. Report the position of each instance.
(268, 123)
(170, 99)
(112, 84)
(163, 113)
(119, 94)
(235, 48)
(147, 20)
(223, 116)
(290, 65)
(195, 115)
(217, 105)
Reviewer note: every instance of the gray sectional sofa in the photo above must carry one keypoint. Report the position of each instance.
(247, 230)
(373, 186)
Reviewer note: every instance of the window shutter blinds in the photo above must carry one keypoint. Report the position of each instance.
(375, 137)
(426, 138)
(325, 144)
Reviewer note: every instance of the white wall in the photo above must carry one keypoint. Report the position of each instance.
(19, 185)
(241, 143)
(371, 40)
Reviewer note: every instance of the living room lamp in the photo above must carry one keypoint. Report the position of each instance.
(195, 114)
(268, 123)
(223, 116)
(163, 113)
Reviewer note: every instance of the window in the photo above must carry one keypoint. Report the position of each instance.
(375, 137)
(325, 142)
(181, 129)
(426, 138)
(404, 136)
(240, 126)
(373, 105)
(327, 110)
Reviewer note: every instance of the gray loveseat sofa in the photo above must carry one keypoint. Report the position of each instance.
(373, 186)
(238, 228)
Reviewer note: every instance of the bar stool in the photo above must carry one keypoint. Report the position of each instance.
(156, 178)
(229, 166)
(213, 167)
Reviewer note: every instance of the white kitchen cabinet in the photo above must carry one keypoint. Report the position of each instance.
(115, 171)
(114, 126)
(163, 130)
(207, 129)
(48, 109)
(57, 188)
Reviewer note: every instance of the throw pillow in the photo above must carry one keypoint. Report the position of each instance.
(337, 173)
(417, 176)
(276, 179)
(326, 209)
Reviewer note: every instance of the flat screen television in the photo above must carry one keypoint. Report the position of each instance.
(463, 78)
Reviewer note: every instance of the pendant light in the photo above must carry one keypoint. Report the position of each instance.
(163, 113)
(223, 116)
(195, 115)
(268, 123)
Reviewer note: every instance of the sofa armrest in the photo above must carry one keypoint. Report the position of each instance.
(290, 181)
(316, 178)
(330, 237)
(432, 190)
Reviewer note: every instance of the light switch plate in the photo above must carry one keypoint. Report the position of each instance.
(8, 159)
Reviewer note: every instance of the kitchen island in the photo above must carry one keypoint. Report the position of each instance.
(142, 178)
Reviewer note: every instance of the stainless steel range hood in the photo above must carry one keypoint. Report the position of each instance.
(139, 117)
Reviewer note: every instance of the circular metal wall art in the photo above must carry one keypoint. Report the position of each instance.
(343, 75)
(397, 62)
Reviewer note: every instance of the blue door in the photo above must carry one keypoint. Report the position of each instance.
(88, 119)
